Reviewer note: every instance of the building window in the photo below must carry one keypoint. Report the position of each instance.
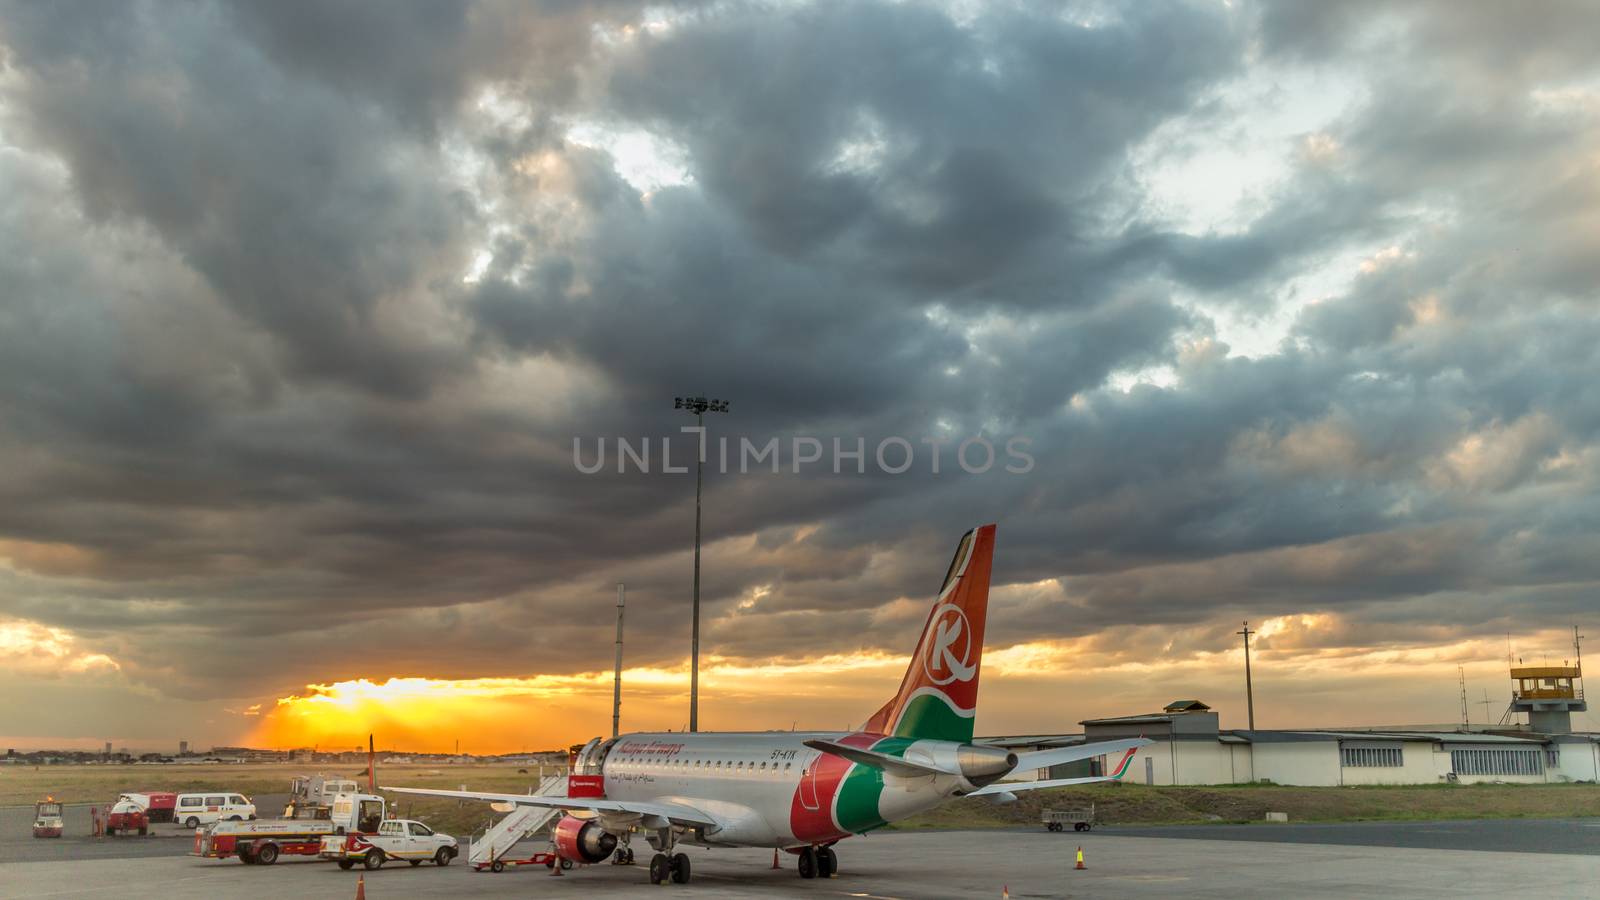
(1496, 762)
(1552, 758)
(1371, 757)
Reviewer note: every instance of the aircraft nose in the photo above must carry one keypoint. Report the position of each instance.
(984, 765)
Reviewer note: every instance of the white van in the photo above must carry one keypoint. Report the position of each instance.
(194, 810)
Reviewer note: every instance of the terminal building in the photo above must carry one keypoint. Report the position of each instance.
(1190, 749)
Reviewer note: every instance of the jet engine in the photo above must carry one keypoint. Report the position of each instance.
(583, 840)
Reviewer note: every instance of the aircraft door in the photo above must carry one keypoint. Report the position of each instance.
(808, 785)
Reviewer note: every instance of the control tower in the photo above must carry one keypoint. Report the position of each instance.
(1549, 694)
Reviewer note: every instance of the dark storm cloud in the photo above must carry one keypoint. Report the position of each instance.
(253, 411)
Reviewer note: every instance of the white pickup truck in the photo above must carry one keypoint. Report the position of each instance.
(404, 839)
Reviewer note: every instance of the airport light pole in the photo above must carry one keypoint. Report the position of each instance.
(699, 406)
(616, 680)
(1249, 689)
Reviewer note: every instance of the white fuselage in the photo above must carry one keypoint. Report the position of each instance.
(767, 787)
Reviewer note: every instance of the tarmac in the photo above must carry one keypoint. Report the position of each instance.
(1542, 858)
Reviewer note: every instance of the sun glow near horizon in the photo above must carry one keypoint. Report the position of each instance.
(1304, 679)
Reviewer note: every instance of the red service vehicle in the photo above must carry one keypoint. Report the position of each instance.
(548, 860)
(47, 822)
(158, 806)
(127, 816)
(262, 841)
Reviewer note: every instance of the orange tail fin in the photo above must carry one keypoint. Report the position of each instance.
(938, 696)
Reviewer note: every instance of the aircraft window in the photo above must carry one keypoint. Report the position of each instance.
(763, 768)
(788, 766)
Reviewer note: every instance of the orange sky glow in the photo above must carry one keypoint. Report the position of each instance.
(1036, 687)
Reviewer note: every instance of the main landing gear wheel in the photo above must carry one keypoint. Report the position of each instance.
(827, 863)
(680, 868)
(808, 862)
(623, 857)
(660, 868)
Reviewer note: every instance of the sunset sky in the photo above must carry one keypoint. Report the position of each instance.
(305, 306)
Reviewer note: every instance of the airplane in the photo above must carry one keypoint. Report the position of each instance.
(803, 792)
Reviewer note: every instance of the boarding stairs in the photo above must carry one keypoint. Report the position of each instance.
(518, 824)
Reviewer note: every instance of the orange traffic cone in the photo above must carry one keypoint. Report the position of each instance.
(775, 858)
(1005, 892)
(556, 869)
(361, 887)
(1080, 864)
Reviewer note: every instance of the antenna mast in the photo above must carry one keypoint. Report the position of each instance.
(1461, 672)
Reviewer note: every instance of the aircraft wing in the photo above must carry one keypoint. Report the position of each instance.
(676, 813)
(891, 764)
(1043, 759)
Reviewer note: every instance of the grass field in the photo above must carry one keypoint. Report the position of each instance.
(1135, 804)
(1123, 804)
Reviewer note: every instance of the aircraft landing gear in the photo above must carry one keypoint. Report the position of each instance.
(623, 857)
(818, 862)
(674, 868)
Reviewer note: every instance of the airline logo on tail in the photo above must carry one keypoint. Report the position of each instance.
(951, 648)
(938, 696)
(937, 700)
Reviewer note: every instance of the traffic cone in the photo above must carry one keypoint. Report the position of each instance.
(1080, 864)
(1005, 892)
(556, 869)
(775, 858)
(361, 887)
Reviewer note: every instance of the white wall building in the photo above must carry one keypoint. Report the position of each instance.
(1190, 749)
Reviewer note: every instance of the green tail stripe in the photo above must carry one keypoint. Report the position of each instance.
(931, 718)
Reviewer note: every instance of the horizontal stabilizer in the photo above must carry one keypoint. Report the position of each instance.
(894, 765)
(1044, 759)
(1012, 787)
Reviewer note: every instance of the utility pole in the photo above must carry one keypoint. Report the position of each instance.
(1249, 689)
(1461, 671)
(616, 681)
(699, 406)
(1486, 704)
